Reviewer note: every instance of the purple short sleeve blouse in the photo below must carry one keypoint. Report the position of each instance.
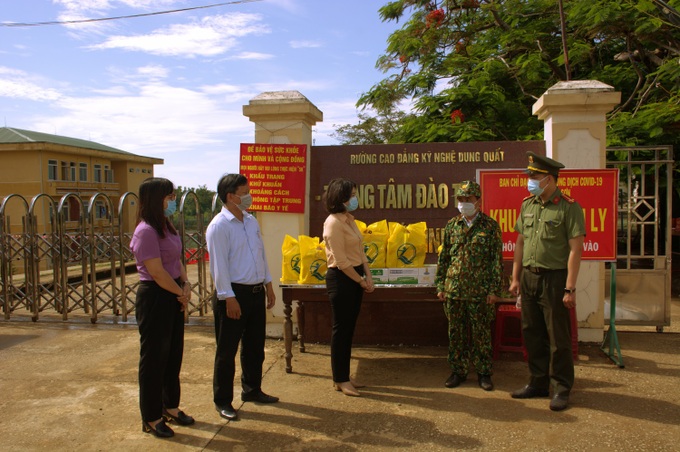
(147, 244)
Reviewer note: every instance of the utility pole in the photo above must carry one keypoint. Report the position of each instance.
(564, 41)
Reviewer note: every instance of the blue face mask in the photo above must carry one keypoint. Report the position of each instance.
(172, 208)
(534, 186)
(353, 204)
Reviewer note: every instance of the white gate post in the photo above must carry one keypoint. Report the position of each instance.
(282, 117)
(575, 129)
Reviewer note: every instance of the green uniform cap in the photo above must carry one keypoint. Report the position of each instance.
(544, 165)
(469, 188)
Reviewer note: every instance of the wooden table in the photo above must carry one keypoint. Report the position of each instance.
(394, 293)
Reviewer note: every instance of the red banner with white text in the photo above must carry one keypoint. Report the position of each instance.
(596, 191)
(276, 174)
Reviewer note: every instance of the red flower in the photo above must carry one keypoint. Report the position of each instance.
(435, 18)
(402, 59)
(457, 117)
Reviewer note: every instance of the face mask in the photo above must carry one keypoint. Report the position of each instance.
(534, 186)
(353, 204)
(468, 209)
(246, 202)
(172, 208)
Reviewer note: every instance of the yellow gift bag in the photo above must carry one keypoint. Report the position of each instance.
(290, 267)
(407, 245)
(375, 243)
(312, 260)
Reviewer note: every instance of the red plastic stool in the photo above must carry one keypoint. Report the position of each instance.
(503, 342)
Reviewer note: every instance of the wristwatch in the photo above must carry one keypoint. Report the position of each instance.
(569, 290)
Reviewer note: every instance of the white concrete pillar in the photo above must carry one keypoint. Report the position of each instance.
(574, 115)
(282, 117)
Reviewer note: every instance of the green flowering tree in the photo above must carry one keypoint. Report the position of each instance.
(473, 68)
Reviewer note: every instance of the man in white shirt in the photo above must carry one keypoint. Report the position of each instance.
(243, 287)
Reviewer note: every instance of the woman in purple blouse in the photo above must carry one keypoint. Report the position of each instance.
(162, 297)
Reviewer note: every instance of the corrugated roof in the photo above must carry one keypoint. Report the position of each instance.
(13, 135)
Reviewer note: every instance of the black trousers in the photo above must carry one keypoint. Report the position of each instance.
(250, 331)
(546, 328)
(161, 337)
(345, 296)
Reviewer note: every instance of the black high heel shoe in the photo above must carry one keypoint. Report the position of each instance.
(180, 419)
(160, 430)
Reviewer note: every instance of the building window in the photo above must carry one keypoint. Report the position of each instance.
(64, 171)
(99, 210)
(97, 173)
(52, 170)
(73, 171)
(83, 172)
(108, 174)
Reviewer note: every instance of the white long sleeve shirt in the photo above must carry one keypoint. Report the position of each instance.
(236, 252)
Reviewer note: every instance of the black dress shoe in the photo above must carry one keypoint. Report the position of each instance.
(485, 382)
(227, 412)
(455, 380)
(529, 392)
(258, 396)
(160, 430)
(559, 402)
(180, 419)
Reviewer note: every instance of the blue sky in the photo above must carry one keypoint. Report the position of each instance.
(173, 85)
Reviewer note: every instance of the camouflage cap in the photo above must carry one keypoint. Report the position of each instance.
(469, 188)
(544, 165)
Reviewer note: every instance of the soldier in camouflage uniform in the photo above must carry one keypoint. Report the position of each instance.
(469, 282)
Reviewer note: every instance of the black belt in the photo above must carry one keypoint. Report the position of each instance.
(254, 288)
(540, 270)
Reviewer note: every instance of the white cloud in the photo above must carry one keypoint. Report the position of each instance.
(253, 56)
(305, 44)
(153, 71)
(213, 35)
(84, 5)
(221, 88)
(113, 91)
(19, 85)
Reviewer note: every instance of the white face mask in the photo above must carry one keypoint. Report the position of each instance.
(534, 186)
(246, 202)
(468, 209)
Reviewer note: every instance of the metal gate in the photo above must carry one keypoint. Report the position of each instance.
(87, 267)
(644, 249)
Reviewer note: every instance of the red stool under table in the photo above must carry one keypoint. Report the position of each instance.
(502, 342)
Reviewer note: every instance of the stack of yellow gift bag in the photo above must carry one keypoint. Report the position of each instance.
(395, 253)
(304, 260)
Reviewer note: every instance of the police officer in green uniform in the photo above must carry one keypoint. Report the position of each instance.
(469, 281)
(551, 229)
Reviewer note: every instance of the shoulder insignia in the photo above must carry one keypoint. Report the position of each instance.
(528, 197)
(567, 198)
